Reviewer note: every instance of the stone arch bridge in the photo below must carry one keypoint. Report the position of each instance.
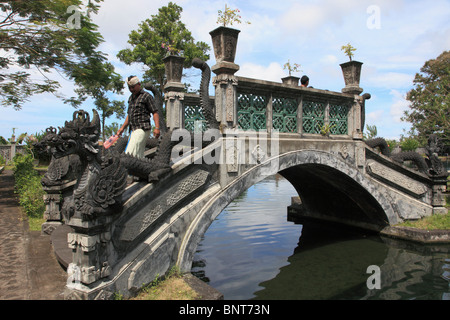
(311, 137)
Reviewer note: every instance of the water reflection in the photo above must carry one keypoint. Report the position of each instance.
(413, 271)
(252, 252)
(326, 263)
(249, 241)
(335, 267)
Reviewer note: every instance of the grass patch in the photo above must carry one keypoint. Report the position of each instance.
(434, 222)
(35, 223)
(171, 287)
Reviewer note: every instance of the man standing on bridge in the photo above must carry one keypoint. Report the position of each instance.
(140, 107)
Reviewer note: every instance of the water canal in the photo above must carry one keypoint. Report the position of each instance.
(251, 251)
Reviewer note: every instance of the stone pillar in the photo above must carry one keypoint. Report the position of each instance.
(439, 189)
(173, 94)
(91, 254)
(226, 100)
(225, 83)
(52, 200)
(174, 109)
(356, 118)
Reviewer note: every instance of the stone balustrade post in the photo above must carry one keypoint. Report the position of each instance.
(173, 92)
(226, 100)
(357, 118)
(174, 108)
(438, 201)
(92, 257)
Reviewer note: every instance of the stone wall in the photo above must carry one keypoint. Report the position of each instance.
(8, 151)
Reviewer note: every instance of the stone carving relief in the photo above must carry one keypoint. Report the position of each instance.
(344, 152)
(258, 154)
(146, 217)
(384, 173)
(173, 95)
(231, 156)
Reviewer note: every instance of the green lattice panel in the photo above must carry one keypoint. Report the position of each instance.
(313, 116)
(339, 119)
(252, 112)
(193, 113)
(284, 114)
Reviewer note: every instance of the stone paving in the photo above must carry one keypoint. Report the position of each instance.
(28, 267)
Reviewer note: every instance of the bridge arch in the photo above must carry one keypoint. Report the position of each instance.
(307, 171)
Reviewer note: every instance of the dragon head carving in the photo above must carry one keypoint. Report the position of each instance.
(79, 136)
(100, 176)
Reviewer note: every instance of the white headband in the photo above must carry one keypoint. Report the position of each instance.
(133, 81)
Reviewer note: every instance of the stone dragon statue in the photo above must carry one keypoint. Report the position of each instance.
(76, 155)
(431, 165)
(99, 175)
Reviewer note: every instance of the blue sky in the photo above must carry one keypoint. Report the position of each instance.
(393, 38)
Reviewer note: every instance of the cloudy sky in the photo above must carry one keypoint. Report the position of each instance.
(394, 38)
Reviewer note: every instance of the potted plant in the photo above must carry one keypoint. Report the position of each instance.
(225, 39)
(173, 63)
(351, 71)
(291, 80)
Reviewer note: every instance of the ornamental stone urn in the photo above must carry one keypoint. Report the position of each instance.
(224, 41)
(174, 71)
(352, 75)
(291, 81)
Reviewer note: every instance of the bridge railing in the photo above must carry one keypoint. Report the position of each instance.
(193, 117)
(263, 105)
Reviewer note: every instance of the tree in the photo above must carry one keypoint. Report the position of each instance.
(151, 41)
(111, 129)
(409, 143)
(95, 79)
(430, 100)
(371, 132)
(107, 108)
(41, 35)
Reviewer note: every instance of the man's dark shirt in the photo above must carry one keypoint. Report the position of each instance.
(139, 109)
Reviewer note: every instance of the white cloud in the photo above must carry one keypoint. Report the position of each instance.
(391, 80)
(399, 105)
(374, 117)
(272, 72)
(330, 59)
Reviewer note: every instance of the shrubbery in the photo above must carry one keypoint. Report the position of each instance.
(28, 186)
(409, 144)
